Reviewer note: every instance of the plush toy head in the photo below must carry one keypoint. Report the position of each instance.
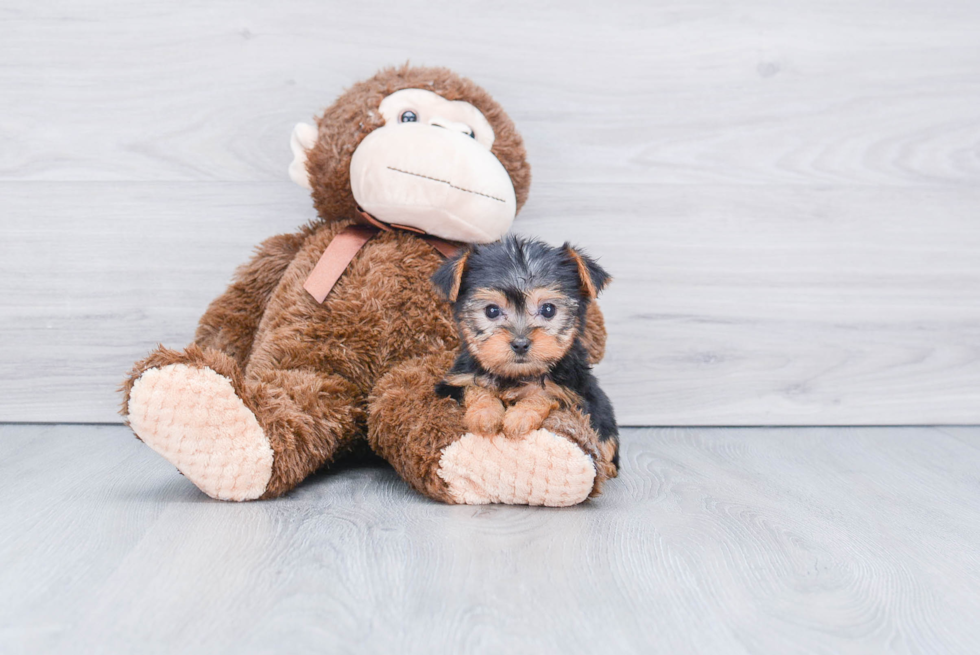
(421, 148)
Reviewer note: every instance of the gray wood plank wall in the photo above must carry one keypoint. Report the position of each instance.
(786, 193)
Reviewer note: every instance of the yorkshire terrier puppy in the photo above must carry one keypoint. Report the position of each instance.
(520, 307)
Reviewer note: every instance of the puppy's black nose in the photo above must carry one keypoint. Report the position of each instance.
(520, 345)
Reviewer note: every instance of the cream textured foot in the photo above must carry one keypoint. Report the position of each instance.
(194, 419)
(541, 469)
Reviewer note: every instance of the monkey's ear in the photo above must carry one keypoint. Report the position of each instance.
(303, 138)
(594, 279)
(449, 277)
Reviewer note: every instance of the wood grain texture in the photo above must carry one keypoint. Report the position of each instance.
(786, 194)
(845, 307)
(701, 92)
(855, 540)
(95, 275)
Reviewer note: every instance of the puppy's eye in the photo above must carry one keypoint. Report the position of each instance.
(548, 310)
(408, 116)
(492, 311)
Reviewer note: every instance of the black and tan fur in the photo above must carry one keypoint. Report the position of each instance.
(520, 306)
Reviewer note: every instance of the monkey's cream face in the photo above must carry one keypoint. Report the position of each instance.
(430, 167)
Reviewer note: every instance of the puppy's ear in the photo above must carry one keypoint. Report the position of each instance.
(593, 277)
(449, 277)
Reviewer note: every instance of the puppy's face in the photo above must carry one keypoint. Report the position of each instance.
(519, 302)
(518, 333)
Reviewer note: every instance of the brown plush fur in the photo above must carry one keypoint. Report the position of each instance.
(594, 337)
(323, 378)
(355, 115)
(231, 322)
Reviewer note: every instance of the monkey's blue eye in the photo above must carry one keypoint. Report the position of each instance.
(548, 310)
(492, 311)
(408, 116)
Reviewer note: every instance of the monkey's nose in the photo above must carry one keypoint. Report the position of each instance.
(520, 345)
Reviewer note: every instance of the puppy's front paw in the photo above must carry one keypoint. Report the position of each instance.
(485, 419)
(518, 421)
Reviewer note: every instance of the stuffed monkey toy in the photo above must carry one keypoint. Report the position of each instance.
(332, 339)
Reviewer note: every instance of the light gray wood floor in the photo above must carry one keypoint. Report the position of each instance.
(751, 540)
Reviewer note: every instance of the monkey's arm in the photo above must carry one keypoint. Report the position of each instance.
(594, 337)
(230, 322)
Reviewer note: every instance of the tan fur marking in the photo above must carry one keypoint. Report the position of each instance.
(494, 352)
(484, 411)
(583, 273)
(566, 398)
(594, 335)
(529, 413)
(475, 327)
(517, 370)
(461, 380)
(547, 348)
(458, 270)
(490, 296)
(607, 450)
(489, 340)
(537, 297)
(468, 336)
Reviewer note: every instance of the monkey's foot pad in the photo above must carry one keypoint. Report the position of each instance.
(196, 421)
(540, 469)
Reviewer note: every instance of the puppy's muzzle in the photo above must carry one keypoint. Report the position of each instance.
(520, 345)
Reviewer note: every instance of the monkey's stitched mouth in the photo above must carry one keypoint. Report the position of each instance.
(435, 179)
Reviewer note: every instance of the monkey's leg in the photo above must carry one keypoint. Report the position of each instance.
(238, 437)
(575, 426)
(425, 438)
